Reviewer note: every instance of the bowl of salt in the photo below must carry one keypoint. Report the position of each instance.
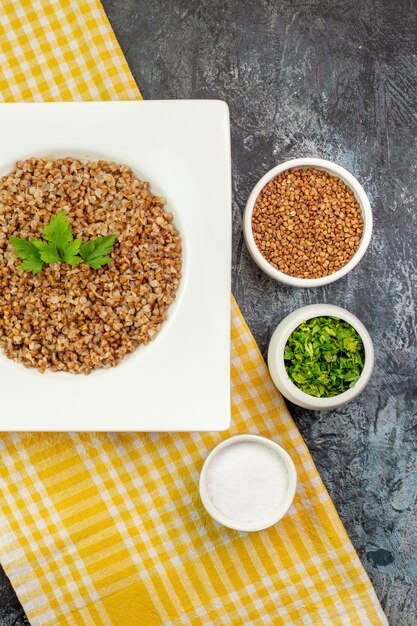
(248, 483)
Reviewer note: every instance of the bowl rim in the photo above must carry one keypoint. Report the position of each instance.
(286, 502)
(333, 169)
(279, 340)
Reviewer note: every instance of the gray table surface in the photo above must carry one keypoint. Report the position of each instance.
(336, 80)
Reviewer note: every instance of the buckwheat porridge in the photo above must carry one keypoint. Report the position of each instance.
(72, 316)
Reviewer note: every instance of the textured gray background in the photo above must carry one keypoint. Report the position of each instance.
(335, 80)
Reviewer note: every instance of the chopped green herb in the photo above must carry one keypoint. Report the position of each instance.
(59, 246)
(324, 356)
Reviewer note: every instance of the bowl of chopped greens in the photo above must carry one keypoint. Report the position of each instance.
(320, 357)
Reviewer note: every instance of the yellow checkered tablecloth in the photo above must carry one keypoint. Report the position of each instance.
(108, 528)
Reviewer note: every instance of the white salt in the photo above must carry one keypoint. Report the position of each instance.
(247, 482)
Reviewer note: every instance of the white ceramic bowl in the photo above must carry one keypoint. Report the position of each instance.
(334, 170)
(276, 357)
(285, 502)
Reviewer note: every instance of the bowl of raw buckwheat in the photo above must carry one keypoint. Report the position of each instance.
(307, 222)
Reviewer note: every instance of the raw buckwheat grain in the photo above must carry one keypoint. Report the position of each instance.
(307, 223)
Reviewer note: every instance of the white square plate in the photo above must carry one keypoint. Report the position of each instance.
(181, 380)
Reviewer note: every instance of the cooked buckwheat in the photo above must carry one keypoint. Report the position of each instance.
(78, 319)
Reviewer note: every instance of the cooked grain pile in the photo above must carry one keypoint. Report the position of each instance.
(78, 319)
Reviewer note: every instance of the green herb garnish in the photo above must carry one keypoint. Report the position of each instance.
(94, 251)
(59, 246)
(324, 356)
(27, 251)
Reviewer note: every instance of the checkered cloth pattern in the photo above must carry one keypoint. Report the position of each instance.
(108, 528)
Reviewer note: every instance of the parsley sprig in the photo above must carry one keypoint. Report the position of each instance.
(324, 356)
(59, 246)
